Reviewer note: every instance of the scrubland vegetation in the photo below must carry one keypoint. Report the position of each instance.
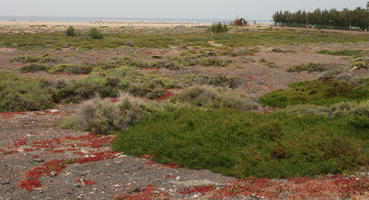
(205, 120)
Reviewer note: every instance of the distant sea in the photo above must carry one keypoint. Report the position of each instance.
(92, 19)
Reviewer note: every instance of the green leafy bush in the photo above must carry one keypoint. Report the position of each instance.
(218, 28)
(23, 94)
(34, 68)
(243, 144)
(95, 33)
(71, 32)
(311, 67)
(209, 97)
(318, 92)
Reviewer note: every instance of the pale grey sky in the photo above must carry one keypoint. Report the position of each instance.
(251, 9)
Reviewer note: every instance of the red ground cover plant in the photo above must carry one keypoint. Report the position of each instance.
(150, 192)
(7, 115)
(86, 182)
(200, 189)
(31, 179)
(248, 77)
(166, 96)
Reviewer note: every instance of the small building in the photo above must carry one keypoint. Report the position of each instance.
(239, 22)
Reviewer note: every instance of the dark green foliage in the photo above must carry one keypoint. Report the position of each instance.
(311, 67)
(318, 92)
(243, 144)
(23, 94)
(95, 33)
(71, 32)
(354, 53)
(218, 28)
(34, 68)
(214, 98)
(333, 18)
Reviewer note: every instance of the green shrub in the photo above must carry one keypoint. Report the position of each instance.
(71, 68)
(361, 63)
(95, 33)
(34, 68)
(45, 58)
(318, 92)
(214, 98)
(108, 83)
(311, 67)
(243, 144)
(23, 94)
(332, 111)
(218, 28)
(279, 50)
(216, 80)
(71, 32)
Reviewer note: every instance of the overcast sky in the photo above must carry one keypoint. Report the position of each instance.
(221, 9)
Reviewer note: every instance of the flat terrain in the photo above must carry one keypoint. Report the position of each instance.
(39, 160)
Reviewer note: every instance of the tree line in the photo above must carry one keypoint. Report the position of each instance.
(333, 18)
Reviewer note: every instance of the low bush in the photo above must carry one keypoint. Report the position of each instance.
(108, 83)
(24, 94)
(71, 68)
(216, 80)
(95, 33)
(218, 28)
(278, 50)
(243, 144)
(311, 67)
(334, 110)
(34, 68)
(345, 52)
(361, 63)
(45, 58)
(209, 97)
(101, 116)
(71, 32)
(325, 91)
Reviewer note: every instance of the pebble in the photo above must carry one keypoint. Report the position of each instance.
(80, 196)
(178, 178)
(53, 173)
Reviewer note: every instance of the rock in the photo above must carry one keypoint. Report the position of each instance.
(80, 196)
(77, 185)
(156, 57)
(178, 178)
(4, 181)
(15, 45)
(85, 173)
(129, 44)
(53, 173)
